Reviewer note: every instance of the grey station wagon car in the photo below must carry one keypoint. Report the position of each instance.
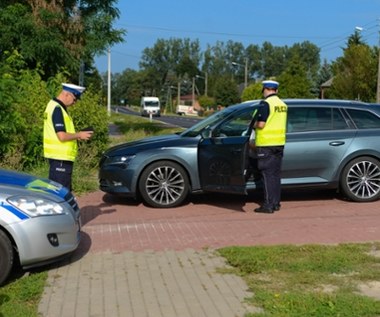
(39, 221)
(329, 143)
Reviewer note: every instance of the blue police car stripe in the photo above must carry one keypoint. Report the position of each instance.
(16, 212)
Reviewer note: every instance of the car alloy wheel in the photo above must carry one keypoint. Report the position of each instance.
(360, 179)
(164, 184)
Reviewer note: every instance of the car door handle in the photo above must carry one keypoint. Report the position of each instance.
(336, 143)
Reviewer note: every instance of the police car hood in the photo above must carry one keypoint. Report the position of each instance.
(27, 181)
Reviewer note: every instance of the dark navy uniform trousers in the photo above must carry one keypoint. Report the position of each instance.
(61, 172)
(269, 159)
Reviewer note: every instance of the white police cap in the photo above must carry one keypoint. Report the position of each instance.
(271, 84)
(75, 89)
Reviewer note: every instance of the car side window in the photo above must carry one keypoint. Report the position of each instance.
(236, 126)
(304, 119)
(364, 119)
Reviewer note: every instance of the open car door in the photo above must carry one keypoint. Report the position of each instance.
(223, 155)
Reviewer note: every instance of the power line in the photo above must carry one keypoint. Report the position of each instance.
(198, 32)
(330, 43)
(327, 46)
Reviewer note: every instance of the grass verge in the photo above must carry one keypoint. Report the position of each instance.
(308, 280)
(21, 297)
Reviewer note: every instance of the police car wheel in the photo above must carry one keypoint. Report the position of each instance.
(6, 257)
(164, 184)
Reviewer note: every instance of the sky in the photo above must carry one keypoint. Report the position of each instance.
(325, 23)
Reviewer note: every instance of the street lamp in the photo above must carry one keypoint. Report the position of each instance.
(109, 83)
(245, 71)
(205, 78)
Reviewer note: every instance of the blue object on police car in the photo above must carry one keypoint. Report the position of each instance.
(39, 221)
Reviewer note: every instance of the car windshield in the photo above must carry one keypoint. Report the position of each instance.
(151, 103)
(209, 122)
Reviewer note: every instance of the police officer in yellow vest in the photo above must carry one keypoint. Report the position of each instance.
(60, 138)
(270, 130)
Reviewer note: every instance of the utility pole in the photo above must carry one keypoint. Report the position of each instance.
(245, 70)
(246, 73)
(205, 78)
(193, 93)
(179, 91)
(109, 83)
(206, 83)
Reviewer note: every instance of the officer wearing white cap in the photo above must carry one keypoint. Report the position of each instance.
(60, 137)
(270, 130)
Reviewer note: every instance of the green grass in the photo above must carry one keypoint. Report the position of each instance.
(309, 280)
(135, 128)
(21, 297)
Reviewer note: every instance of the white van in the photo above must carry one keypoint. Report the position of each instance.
(150, 106)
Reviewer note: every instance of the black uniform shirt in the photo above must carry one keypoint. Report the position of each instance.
(57, 117)
(263, 111)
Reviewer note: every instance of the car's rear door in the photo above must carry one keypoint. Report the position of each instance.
(317, 140)
(222, 157)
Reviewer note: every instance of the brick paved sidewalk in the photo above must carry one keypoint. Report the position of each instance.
(138, 261)
(158, 284)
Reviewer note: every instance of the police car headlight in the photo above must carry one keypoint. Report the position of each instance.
(35, 207)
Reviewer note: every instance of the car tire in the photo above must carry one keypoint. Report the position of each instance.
(6, 257)
(360, 179)
(164, 184)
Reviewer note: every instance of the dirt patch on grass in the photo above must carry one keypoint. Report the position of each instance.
(370, 289)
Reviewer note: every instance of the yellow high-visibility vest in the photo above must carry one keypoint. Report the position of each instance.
(53, 147)
(274, 132)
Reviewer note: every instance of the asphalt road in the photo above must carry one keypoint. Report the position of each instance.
(173, 120)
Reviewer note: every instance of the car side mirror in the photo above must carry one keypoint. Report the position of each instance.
(206, 133)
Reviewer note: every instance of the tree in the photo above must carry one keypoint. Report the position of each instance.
(127, 86)
(58, 35)
(167, 57)
(254, 56)
(355, 74)
(226, 92)
(273, 60)
(294, 81)
(355, 39)
(252, 92)
(324, 74)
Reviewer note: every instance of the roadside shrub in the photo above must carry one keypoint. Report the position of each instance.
(23, 99)
(90, 113)
(206, 102)
(21, 91)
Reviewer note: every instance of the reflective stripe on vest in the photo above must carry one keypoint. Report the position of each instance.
(53, 147)
(274, 131)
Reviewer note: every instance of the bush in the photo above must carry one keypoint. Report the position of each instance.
(89, 113)
(23, 99)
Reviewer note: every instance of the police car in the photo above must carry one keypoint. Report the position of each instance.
(39, 221)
